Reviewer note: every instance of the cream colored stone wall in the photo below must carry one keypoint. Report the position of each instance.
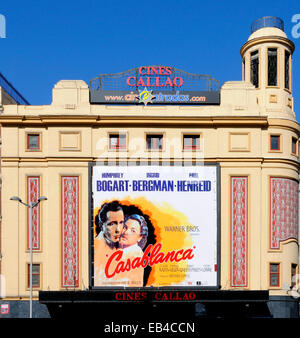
(53, 162)
(86, 142)
(73, 133)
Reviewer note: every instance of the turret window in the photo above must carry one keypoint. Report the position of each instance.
(275, 142)
(272, 67)
(294, 145)
(254, 68)
(287, 70)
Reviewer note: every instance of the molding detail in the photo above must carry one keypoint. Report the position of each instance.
(267, 39)
(284, 210)
(239, 231)
(33, 193)
(70, 231)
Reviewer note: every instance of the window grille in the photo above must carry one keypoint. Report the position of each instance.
(272, 67)
(254, 68)
(33, 141)
(274, 274)
(287, 70)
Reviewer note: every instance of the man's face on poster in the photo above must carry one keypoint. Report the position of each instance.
(113, 227)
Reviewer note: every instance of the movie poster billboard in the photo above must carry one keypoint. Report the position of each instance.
(155, 226)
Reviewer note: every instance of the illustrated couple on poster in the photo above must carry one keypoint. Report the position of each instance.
(124, 228)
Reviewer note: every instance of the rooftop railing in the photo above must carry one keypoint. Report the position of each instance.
(267, 21)
(12, 91)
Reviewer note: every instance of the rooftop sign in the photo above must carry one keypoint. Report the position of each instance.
(155, 85)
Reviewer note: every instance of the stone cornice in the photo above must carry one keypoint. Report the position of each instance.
(285, 124)
(149, 121)
(176, 121)
(266, 39)
(259, 160)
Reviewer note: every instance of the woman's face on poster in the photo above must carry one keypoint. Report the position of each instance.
(131, 233)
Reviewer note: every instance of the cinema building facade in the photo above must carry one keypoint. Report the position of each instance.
(205, 176)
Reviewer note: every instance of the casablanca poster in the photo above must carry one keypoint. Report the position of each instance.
(155, 226)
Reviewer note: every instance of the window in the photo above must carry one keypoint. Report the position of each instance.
(274, 274)
(287, 70)
(275, 142)
(272, 66)
(35, 275)
(294, 145)
(293, 275)
(243, 69)
(33, 141)
(191, 142)
(117, 141)
(154, 142)
(254, 68)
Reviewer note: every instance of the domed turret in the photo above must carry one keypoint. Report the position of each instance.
(267, 64)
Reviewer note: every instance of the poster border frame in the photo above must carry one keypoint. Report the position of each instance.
(152, 163)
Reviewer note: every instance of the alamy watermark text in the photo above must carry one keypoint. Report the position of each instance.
(296, 27)
(2, 27)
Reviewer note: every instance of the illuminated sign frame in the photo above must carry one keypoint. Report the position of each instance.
(157, 85)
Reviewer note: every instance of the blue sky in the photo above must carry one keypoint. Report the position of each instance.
(47, 41)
